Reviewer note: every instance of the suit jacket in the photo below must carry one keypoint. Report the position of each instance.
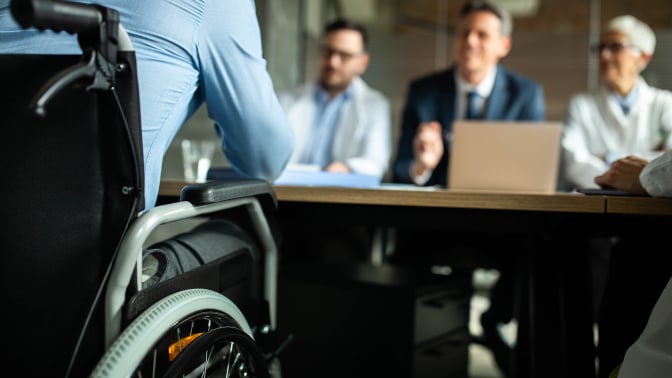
(362, 139)
(433, 98)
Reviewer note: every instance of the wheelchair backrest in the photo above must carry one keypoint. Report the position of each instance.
(73, 180)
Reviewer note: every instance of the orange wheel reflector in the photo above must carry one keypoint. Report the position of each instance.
(177, 347)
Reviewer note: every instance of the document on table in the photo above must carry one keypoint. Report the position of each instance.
(307, 175)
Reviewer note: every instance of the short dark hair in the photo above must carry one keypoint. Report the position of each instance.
(343, 24)
(487, 6)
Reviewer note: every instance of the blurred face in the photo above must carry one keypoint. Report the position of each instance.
(620, 62)
(342, 57)
(479, 45)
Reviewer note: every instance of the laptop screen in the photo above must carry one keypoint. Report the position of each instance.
(504, 156)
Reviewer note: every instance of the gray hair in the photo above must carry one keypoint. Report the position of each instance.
(488, 6)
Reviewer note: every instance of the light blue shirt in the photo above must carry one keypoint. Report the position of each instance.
(327, 114)
(628, 100)
(190, 52)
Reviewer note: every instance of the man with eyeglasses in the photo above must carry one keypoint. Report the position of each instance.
(625, 116)
(340, 123)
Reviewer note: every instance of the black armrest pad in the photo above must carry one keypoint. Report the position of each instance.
(218, 191)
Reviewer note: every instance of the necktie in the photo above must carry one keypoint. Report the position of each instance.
(472, 108)
(626, 108)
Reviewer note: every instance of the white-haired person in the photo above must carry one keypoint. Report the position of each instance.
(624, 116)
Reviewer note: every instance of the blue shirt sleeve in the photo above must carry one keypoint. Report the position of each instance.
(238, 91)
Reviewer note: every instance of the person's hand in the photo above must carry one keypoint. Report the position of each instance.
(337, 167)
(427, 147)
(624, 175)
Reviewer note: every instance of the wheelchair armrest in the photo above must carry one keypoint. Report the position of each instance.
(218, 191)
(213, 192)
(256, 195)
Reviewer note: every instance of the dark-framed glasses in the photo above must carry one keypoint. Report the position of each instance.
(327, 52)
(613, 47)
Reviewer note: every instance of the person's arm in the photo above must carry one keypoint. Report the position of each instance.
(427, 151)
(536, 109)
(580, 166)
(409, 124)
(656, 177)
(420, 146)
(635, 175)
(257, 139)
(624, 175)
(377, 145)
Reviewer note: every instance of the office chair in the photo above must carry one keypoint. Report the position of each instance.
(84, 292)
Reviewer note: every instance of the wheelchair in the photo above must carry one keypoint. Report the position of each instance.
(88, 291)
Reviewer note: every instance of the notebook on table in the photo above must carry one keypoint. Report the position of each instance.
(505, 156)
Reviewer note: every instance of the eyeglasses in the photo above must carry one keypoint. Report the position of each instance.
(613, 48)
(344, 56)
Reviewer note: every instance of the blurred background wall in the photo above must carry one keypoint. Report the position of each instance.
(410, 38)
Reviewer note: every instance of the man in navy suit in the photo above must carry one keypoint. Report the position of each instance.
(476, 86)
(482, 38)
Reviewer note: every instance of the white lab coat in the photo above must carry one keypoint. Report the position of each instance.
(656, 177)
(362, 139)
(597, 132)
(651, 355)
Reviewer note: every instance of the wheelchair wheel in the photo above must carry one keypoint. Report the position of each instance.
(194, 332)
(223, 352)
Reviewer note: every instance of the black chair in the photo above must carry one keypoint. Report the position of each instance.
(76, 236)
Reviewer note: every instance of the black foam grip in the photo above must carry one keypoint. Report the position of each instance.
(57, 15)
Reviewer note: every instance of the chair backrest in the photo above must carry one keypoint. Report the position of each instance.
(73, 182)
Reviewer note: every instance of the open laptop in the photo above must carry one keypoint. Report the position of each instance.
(504, 156)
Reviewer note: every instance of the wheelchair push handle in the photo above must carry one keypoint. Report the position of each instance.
(73, 18)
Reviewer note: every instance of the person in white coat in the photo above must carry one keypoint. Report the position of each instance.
(625, 116)
(651, 355)
(340, 123)
(638, 307)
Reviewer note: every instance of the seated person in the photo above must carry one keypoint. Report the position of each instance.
(625, 116)
(340, 123)
(189, 53)
(476, 86)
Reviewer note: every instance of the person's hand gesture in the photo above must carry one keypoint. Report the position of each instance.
(624, 175)
(427, 147)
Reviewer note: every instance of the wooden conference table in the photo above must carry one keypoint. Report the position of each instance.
(395, 196)
(554, 310)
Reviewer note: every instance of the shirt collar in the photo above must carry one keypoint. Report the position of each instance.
(484, 88)
(629, 99)
(321, 96)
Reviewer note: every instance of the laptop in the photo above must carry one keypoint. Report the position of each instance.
(503, 156)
